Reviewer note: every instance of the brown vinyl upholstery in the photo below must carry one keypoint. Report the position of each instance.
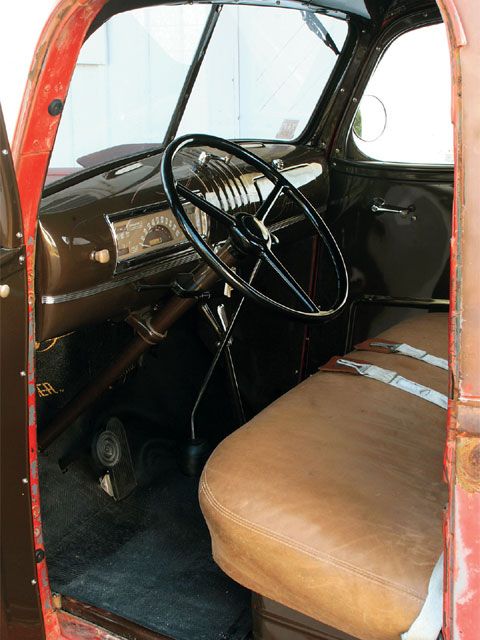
(330, 500)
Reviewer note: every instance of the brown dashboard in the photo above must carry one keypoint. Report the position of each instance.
(102, 235)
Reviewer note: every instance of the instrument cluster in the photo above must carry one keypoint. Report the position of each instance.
(149, 233)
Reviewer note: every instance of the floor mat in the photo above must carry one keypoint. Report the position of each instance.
(147, 558)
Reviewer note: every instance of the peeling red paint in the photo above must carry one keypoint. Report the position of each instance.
(74, 628)
(462, 522)
(49, 78)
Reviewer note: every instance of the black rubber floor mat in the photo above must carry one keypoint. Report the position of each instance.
(146, 558)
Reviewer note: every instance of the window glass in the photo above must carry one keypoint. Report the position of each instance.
(263, 73)
(404, 115)
(126, 84)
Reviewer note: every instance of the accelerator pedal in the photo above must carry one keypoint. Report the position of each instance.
(111, 453)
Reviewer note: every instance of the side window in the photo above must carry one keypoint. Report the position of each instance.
(404, 115)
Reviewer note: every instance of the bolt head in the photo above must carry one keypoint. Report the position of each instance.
(55, 108)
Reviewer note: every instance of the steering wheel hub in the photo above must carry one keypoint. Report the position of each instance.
(253, 228)
(250, 234)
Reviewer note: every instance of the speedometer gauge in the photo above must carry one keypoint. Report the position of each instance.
(158, 235)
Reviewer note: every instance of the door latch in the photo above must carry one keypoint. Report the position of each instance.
(379, 207)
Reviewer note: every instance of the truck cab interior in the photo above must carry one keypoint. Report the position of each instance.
(241, 310)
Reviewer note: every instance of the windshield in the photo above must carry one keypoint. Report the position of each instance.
(234, 71)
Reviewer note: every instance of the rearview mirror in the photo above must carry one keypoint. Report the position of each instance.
(370, 119)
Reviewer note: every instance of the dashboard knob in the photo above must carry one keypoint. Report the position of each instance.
(102, 256)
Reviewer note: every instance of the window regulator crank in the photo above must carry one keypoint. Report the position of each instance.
(379, 207)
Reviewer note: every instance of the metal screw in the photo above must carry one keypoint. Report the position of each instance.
(34, 582)
(21, 259)
(19, 234)
(5, 152)
(337, 150)
(413, 218)
(355, 100)
(378, 48)
(23, 374)
(24, 480)
(342, 90)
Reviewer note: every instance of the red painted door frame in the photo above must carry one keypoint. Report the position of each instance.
(49, 79)
(462, 459)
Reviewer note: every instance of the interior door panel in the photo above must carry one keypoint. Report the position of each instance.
(394, 255)
(20, 614)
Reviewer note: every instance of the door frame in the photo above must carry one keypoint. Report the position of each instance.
(45, 94)
(20, 612)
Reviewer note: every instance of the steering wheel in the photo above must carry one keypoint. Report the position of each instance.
(249, 233)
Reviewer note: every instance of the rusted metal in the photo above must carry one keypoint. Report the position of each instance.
(74, 628)
(49, 79)
(468, 463)
(90, 623)
(462, 524)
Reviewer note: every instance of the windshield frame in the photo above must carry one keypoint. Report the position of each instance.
(303, 138)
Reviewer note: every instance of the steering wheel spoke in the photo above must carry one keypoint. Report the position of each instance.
(272, 260)
(269, 202)
(202, 203)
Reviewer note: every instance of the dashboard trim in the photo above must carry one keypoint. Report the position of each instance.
(170, 262)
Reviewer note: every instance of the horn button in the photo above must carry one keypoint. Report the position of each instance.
(249, 231)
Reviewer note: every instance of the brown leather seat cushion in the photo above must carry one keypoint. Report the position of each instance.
(330, 501)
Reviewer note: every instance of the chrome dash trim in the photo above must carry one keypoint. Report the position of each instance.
(168, 263)
(120, 282)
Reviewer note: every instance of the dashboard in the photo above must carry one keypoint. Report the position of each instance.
(104, 233)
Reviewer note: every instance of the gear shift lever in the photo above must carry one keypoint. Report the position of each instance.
(196, 450)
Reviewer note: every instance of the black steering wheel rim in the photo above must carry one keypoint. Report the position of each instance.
(257, 241)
